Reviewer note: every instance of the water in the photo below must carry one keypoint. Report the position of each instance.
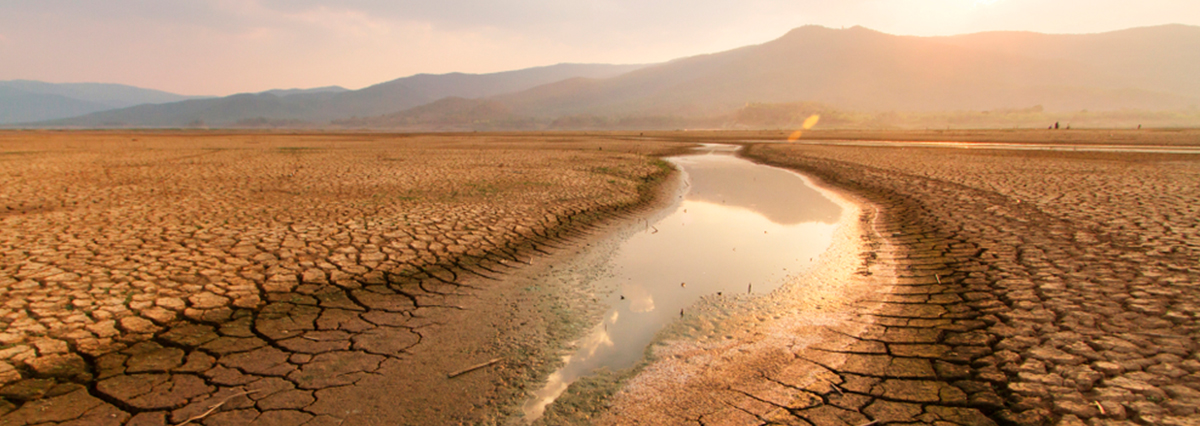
(739, 227)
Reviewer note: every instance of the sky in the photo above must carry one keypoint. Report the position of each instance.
(221, 47)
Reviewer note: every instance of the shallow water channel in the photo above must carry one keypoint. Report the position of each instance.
(738, 227)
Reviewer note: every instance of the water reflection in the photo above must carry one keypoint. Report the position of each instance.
(739, 225)
(779, 195)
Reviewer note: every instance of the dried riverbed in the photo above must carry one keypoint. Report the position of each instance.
(1020, 287)
(737, 229)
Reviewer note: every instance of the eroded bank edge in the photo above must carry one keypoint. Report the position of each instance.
(735, 322)
(927, 342)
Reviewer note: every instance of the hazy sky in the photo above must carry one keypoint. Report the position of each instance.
(220, 47)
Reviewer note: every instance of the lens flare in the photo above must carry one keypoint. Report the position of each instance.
(809, 123)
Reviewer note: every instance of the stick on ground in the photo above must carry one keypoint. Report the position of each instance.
(472, 368)
(214, 407)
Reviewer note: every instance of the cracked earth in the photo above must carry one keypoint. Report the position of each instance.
(1026, 288)
(1029, 288)
(208, 278)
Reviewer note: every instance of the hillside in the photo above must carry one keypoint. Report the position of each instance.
(318, 107)
(28, 100)
(857, 76)
(858, 68)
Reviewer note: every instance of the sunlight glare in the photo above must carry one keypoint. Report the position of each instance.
(809, 123)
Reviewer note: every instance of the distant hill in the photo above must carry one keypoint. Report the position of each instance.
(853, 76)
(28, 100)
(323, 106)
(289, 92)
(1163, 59)
(452, 113)
(858, 68)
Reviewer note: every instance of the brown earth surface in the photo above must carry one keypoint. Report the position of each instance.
(995, 287)
(224, 278)
(1153, 137)
(157, 278)
(1025, 288)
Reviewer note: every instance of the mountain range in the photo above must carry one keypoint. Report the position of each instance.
(853, 69)
(858, 68)
(28, 101)
(321, 106)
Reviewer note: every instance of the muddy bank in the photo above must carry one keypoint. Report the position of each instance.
(728, 351)
(738, 231)
(853, 340)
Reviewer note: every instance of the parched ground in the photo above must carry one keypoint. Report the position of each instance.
(1031, 287)
(162, 278)
(157, 278)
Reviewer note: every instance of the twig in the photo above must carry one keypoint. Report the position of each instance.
(472, 368)
(1101, 407)
(834, 385)
(939, 279)
(214, 407)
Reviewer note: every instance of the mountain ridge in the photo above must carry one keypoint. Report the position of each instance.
(31, 100)
(860, 68)
(325, 106)
(853, 69)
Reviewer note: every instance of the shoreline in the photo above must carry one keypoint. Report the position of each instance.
(736, 341)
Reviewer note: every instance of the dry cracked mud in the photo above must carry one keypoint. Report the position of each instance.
(213, 278)
(1030, 288)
